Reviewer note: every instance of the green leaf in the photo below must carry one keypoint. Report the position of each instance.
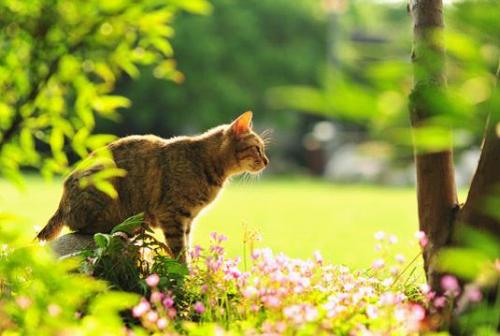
(112, 6)
(99, 140)
(113, 302)
(69, 67)
(164, 46)
(103, 71)
(128, 66)
(107, 188)
(56, 140)
(102, 240)
(108, 104)
(195, 6)
(480, 241)
(130, 225)
(78, 142)
(86, 115)
(177, 268)
(108, 173)
(464, 262)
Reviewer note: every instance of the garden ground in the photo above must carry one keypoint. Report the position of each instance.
(293, 215)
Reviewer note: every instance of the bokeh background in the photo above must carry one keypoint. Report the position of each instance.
(330, 79)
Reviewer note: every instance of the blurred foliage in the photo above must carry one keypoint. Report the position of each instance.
(228, 60)
(42, 296)
(371, 84)
(476, 260)
(59, 63)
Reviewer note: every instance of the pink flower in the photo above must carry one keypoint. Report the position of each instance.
(199, 307)
(400, 258)
(196, 251)
(153, 280)
(280, 327)
(304, 282)
(141, 308)
(387, 282)
(162, 323)
(400, 314)
(54, 309)
(168, 302)
(250, 291)
(318, 257)
(473, 293)
(371, 311)
(450, 284)
(424, 288)
(422, 238)
(152, 316)
(439, 302)
(273, 301)
(348, 287)
(234, 272)
(156, 297)
(378, 263)
(379, 235)
(291, 311)
(311, 313)
(23, 302)
(417, 312)
(387, 299)
(255, 254)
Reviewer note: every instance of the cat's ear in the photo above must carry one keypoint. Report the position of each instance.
(242, 124)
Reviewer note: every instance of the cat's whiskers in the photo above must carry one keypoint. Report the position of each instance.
(247, 177)
(266, 136)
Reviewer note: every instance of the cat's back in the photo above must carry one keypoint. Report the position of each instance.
(137, 146)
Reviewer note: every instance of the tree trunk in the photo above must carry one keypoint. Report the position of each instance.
(486, 181)
(436, 190)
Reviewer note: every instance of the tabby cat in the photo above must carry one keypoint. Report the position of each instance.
(170, 180)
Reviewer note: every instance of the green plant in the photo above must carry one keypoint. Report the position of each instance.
(40, 295)
(60, 63)
(126, 262)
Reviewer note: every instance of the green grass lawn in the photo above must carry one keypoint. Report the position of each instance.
(295, 216)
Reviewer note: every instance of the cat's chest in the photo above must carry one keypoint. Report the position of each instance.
(193, 191)
(212, 196)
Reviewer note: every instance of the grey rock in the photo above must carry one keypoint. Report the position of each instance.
(72, 243)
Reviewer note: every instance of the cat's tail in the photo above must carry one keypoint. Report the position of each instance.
(53, 227)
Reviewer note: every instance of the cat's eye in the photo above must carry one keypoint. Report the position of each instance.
(258, 150)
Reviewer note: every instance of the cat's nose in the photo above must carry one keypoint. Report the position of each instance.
(266, 160)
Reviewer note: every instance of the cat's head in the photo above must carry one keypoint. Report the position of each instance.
(246, 147)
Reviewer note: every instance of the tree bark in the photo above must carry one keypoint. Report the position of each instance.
(436, 190)
(486, 180)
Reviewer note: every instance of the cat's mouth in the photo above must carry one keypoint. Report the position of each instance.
(258, 168)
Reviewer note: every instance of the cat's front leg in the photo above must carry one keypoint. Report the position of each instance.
(176, 229)
(177, 242)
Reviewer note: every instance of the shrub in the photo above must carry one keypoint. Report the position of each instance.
(42, 296)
